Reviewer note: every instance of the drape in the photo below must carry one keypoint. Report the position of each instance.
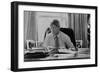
(30, 31)
(78, 22)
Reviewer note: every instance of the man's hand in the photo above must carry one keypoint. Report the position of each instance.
(73, 49)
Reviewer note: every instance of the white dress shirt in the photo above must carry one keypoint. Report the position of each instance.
(62, 38)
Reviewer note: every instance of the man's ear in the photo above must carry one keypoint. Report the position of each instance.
(59, 28)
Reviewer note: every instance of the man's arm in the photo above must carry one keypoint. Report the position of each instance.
(69, 43)
(46, 42)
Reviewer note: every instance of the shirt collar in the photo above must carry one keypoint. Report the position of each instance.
(57, 34)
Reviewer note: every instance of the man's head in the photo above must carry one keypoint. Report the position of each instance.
(55, 27)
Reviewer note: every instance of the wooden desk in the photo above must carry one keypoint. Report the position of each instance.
(83, 53)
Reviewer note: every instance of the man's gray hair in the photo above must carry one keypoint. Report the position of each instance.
(56, 23)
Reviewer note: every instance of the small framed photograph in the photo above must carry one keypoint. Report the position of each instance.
(52, 36)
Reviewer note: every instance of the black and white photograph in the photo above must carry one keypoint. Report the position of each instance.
(56, 36)
(52, 36)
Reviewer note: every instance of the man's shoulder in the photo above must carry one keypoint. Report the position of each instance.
(49, 35)
(63, 34)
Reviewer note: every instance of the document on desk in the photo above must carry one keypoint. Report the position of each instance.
(61, 50)
(67, 51)
(63, 54)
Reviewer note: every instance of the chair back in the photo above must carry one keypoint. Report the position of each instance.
(70, 33)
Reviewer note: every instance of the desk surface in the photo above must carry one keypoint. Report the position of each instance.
(83, 53)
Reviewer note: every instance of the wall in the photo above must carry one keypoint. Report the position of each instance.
(5, 28)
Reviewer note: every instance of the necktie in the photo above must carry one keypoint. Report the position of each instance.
(56, 42)
(55, 50)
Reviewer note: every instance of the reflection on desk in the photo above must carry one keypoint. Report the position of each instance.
(42, 55)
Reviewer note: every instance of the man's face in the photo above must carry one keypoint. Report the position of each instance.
(54, 29)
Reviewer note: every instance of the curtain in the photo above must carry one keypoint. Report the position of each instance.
(30, 26)
(78, 22)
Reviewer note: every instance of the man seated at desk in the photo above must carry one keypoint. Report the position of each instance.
(58, 40)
